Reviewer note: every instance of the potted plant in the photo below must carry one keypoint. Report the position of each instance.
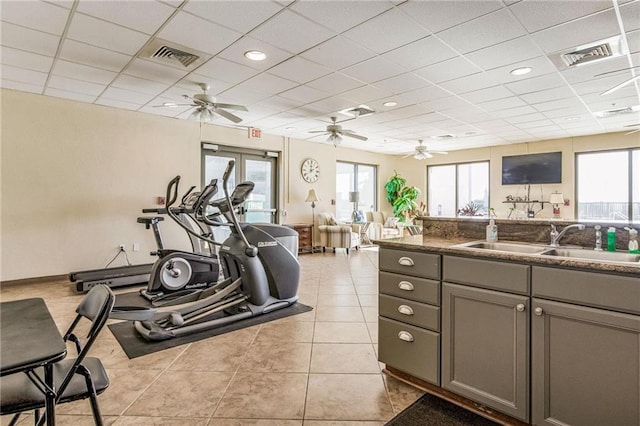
(401, 197)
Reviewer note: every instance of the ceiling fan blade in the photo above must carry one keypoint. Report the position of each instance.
(620, 86)
(231, 106)
(633, 131)
(171, 105)
(438, 152)
(318, 131)
(227, 115)
(408, 155)
(353, 135)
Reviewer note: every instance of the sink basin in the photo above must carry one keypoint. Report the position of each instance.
(604, 256)
(508, 247)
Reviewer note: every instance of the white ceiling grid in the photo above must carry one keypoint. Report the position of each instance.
(446, 63)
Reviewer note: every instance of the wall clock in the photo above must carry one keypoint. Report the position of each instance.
(310, 170)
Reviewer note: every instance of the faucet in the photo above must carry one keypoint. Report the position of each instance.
(555, 235)
(598, 238)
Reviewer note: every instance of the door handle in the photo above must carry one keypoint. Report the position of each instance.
(405, 261)
(405, 310)
(406, 336)
(405, 285)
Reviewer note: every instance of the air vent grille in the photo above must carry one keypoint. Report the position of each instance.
(359, 111)
(185, 58)
(611, 47)
(447, 136)
(583, 56)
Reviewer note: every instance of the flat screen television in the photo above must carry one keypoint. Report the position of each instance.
(532, 168)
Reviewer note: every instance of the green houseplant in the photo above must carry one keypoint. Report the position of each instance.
(401, 197)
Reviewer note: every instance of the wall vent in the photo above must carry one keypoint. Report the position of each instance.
(588, 53)
(172, 54)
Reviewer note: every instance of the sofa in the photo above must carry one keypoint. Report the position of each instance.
(383, 226)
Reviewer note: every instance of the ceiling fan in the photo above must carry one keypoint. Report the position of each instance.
(422, 153)
(336, 132)
(206, 107)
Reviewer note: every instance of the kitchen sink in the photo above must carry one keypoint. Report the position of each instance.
(508, 247)
(603, 256)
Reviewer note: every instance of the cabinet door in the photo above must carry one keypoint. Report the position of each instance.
(485, 347)
(585, 365)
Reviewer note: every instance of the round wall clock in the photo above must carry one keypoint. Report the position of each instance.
(310, 170)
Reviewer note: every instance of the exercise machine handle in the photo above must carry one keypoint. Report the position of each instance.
(250, 250)
(227, 172)
(172, 191)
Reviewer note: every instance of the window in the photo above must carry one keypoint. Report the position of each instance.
(360, 178)
(608, 185)
(458, 189)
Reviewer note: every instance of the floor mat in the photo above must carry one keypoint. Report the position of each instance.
(135, 345)
(430, 410)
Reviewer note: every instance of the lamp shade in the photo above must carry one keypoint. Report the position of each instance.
(353, 197)
(556, 198)
(312, 197)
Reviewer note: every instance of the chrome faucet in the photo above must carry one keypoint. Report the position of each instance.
(555, 235)
(598, 238)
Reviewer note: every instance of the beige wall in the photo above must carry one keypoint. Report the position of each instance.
(75, 176)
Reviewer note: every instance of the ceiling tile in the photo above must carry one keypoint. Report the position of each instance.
(402, 83)
(304, 94)
(152, 71)
(105, 34)
(488, 30)
(27, 39)
(71, 85)
(69, 95)
(41, 16)
(234, 14)
(373, 70)
(470, 83)
(35, 78)
(27, 60)
(514, 112)
(387, 31)
(340, 15)
(329, 106)
(23, 87)
(528, 85)
(448, 70)
(83, 72)
(118, 94)
(226, 70)
(196, 33)
(418, 96)
(269, 83)
(547, 95)
(136, 84)
(335, 83)
(630, 13)
(365, 94)
(529, 118)
(93, 56)
(236, 51)
(575, 33)
(572, 102)
(488, 94)
(338, 53)
(500, 104)
(537, 15)
(144, 16)
(299, 69)
(439, 15)
(509, 52)
(420, 53)
(540, 66)
(278, 30)
(116, 103)
(243, 95)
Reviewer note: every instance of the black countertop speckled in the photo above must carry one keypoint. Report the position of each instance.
(448, 246)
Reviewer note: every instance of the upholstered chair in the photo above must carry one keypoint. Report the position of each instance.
(384, 226)
(337, 235)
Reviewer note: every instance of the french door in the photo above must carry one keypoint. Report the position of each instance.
(261, 206)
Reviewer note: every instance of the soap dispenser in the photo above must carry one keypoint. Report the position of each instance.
(492, 231)
(611, 239)
(633, 240)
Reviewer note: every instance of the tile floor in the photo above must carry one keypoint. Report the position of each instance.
(313, 369)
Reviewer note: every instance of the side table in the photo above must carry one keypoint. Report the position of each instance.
(305, 236)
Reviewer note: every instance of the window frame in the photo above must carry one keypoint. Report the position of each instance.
(456, 191)
(355, 178)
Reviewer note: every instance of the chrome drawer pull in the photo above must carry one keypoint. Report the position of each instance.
(406, 336)
(405, 310)
(405, 285)
(520, 307)
(538, 311)
(405, 261)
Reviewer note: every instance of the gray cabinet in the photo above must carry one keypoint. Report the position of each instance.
(409, 313)
(485, 347)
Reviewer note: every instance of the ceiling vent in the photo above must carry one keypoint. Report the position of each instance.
(588, 53)
(172, 54)
(444, 137)
(617, 111)
(359, 111)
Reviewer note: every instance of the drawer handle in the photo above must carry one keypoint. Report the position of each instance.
(405, 310)
(538, 311)
(520, 307)
(405, 261)
(405, 285)
(406, 336)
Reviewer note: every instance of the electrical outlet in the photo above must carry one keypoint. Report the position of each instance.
(121, 247)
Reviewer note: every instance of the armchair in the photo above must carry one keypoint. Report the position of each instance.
(384, 226)
(337, 235)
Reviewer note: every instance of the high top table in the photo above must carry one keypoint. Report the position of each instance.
(29, 339)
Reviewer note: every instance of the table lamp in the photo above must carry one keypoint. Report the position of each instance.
(312, 198)
(556, 199)
(354, 197)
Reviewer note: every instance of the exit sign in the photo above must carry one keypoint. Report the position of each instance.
(255, 133)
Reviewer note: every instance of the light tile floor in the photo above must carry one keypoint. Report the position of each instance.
(319, 368)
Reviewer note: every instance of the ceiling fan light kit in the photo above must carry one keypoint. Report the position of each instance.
(422, 153)
(336, 133)
(206, 108)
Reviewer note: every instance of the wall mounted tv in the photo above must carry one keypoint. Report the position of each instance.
(532, 168)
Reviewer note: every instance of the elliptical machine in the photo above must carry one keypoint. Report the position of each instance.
(261, 268)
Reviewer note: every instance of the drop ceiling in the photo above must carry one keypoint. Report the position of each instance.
(446, 64)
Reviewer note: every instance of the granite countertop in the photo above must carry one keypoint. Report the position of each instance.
(447, 246)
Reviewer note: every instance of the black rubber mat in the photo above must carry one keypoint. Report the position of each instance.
(429, 410)
(135, 345)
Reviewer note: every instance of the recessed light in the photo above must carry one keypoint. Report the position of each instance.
(255, 55)
(521, 71)
(390, 104)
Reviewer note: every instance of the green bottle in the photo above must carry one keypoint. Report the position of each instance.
(611, 239)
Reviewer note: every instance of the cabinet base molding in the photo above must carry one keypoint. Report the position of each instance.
(453, 398)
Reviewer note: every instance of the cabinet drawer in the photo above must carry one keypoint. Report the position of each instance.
(510, 277)
(414, 288)
(410, 349)
(411, 312)
(410, 262)
(587, 288)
